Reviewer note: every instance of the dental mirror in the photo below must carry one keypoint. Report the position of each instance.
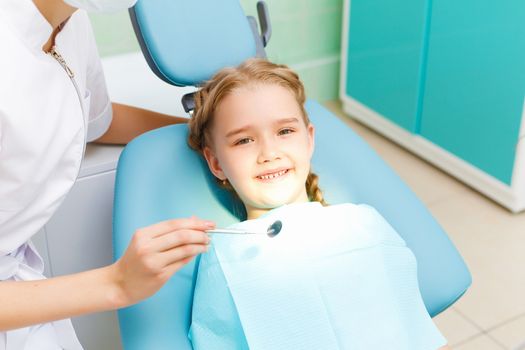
(272, 231)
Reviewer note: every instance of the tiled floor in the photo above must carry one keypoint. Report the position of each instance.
(491, 315)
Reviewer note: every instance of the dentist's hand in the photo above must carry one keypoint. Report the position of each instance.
(155, 253)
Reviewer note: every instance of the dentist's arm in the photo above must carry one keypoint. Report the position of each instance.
(154, 254)
(129, 122)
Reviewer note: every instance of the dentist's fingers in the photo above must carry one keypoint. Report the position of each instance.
(192, 223)
(178, 238)
(173, 268)
(155, 253)
(180, 253)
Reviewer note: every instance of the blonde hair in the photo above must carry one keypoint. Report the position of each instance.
(212, 93)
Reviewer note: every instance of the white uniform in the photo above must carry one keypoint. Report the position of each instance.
(46, 117)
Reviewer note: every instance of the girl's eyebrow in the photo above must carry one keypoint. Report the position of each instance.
(238, 131)
(287, 120)
(248, 127)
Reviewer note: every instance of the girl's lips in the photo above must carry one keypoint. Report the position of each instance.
(272, 175)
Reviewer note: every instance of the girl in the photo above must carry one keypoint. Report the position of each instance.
(256, 292)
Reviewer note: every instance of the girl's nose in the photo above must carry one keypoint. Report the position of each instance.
(268, 151)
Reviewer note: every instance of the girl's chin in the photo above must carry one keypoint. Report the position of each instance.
(275, 203)
(257, 209)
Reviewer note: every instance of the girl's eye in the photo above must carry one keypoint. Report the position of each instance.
(286, 131)
(242, 141)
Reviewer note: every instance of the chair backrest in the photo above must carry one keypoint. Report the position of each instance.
(159, 177)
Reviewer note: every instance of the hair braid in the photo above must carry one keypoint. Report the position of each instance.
(313, 190)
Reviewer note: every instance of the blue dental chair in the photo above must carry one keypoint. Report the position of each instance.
(159, 177)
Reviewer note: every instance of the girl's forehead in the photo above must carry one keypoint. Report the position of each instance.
(261, 90)
(255, 106)
(269, 100)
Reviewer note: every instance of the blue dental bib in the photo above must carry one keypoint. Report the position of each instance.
(336, 277)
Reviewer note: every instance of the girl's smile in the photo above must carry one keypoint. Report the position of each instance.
(273, 175)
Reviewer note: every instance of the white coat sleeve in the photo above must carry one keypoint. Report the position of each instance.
(100, 111)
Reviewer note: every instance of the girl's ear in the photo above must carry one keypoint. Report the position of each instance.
(213, 163)
(311, 138)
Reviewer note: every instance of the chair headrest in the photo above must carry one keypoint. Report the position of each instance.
(186, 42)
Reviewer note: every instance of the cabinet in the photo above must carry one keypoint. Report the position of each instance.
(446, 80)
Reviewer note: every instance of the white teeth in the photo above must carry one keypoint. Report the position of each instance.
(271, 176)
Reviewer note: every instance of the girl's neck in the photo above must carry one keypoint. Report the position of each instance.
(255, 213)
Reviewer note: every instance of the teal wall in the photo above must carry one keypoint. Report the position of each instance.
(306, 35)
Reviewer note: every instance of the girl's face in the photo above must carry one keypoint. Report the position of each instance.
(260, 143)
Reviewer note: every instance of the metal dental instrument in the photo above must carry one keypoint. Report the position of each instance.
(272, 231)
